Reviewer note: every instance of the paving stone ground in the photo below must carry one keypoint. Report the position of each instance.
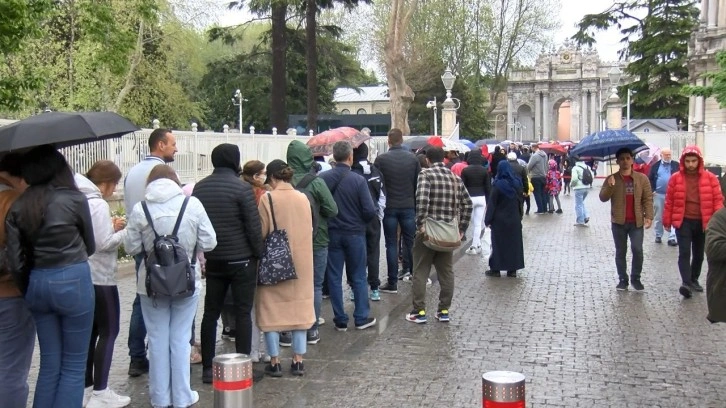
(560, 323)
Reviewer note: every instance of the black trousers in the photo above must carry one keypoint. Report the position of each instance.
(691, 244)
(373, 252)
(241, 276)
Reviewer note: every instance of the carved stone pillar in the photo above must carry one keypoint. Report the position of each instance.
(583, 117)
(546, 115)
(510, 116)
(704, 12)
(713, 13)
(537, 116)
(594, 112)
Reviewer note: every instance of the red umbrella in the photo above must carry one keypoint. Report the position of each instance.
(552, 148)
(322, 143)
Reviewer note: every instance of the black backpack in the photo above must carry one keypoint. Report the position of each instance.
(314, 204)
(169, 274)
(586, 176)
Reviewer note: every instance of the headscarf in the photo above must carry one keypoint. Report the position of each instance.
(506, 181)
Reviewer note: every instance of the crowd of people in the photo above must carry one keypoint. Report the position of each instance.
(58, 270)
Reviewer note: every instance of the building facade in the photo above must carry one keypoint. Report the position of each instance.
(366, 100)
(561, 97)
(705, 43)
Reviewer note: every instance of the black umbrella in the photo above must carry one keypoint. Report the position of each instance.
(63, 129)
(417, 142)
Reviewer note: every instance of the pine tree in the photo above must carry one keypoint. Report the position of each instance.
(655, 47)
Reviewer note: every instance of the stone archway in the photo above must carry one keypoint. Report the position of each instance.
(562, 112)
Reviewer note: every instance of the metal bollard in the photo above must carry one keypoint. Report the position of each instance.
(502, 389)
(232, 374)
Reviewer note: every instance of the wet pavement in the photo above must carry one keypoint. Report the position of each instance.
(561, 323)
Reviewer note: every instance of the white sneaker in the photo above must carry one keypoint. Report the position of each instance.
(107, 399)
(410, 279)
(321, 321)
(473, 250)
(87, 392)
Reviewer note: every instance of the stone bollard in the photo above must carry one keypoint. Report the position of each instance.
(232, 381)
(502, 389)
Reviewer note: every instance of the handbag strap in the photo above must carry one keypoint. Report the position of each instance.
(272, 212)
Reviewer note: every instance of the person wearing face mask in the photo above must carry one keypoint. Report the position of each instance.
(659, 176)
(254, 173)
(693, 196)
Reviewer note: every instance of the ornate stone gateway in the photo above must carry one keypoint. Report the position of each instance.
(561, 97)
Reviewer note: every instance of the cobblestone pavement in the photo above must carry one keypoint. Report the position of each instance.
(560, 323)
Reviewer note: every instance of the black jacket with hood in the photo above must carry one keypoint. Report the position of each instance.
(399, 169)
(230, 204)
(362, 166)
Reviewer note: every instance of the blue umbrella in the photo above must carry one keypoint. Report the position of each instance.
(467, 143)
(603, 145)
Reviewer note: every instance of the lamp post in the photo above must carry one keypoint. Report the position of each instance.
(237, 101)
(614, 104)
(448, 114)
(434, 106)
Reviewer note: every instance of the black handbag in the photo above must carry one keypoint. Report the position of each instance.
(276, 264)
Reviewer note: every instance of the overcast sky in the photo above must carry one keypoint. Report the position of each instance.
(571, 13)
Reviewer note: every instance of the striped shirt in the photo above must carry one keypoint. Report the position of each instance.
(441, 195)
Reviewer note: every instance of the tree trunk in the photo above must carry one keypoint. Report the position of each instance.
(129, 81)
(278, 110)
(311, 56)
(399, 91)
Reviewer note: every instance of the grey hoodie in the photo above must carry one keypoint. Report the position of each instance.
(103, 262)
(164, 199)
(537, 166)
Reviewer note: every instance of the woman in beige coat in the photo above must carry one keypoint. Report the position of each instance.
(288, 305)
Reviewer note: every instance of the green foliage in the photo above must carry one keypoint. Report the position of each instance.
(656, 47)
(717, 79)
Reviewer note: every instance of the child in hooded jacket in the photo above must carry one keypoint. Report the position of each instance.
(554, 186)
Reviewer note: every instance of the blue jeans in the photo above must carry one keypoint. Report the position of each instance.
(17, 340)
(299, 343)
(320, 263)
(351, 251)
(658, 205)
(393, 217)
(540, 194)
(621, 233)
(580, 210)
(137, 328)
(62, 302)
(169, 349)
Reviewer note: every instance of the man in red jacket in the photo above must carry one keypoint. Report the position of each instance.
(692, 196)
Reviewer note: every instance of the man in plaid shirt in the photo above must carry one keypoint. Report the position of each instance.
(440, 195)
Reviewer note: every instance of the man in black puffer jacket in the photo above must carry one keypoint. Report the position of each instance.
(399, 169)
(230, 204)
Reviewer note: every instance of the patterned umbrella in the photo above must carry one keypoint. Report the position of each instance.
(649, 155)
(322, 143)
(603, 145)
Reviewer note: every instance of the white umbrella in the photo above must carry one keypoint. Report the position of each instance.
(452, 145)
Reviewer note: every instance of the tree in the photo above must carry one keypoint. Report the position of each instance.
(656, 48)
(400, 92)
(21, 20)
(717, 87)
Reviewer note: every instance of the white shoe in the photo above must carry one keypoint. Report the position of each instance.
(321, 321)
(410, 279)
(107, 399)
(87, 392)
(428, 282)
(473, 250)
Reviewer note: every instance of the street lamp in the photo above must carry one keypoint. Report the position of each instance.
(614, 76)
(432, 105)
(237, 101)
(448, 79)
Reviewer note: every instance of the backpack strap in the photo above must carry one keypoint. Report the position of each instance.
(272, 212)
(179, 218)
(335, 187)
(148, 218)
(305, 181)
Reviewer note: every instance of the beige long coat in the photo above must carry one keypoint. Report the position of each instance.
(288, 305)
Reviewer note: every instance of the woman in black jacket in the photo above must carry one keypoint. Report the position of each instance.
(478, 184)
(50, 237)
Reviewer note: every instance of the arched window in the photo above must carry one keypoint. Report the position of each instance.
(361, 111)
(646, 130)
(345, 112)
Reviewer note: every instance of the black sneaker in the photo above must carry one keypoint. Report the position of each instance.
(341, 327)
(490, 272)
(696, 286)
(658, 240)
(207, 375)
(622, 285)
(285, 339)
(273, 370)
(587, 219)
(637, 285)
(512, 274)
(228, 334)
(403, 273)
(313, 336)
(297, 368)
(138, 366)
(672, 243)
(685, 291)
(388, 288)
(369, 322)
(559, 211)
